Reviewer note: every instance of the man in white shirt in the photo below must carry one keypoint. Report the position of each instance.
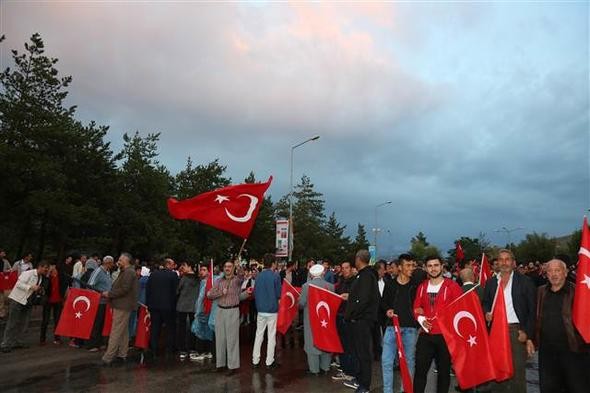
(24, 264)
(28, 283)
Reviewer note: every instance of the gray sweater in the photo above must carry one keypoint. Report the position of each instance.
(188, 291)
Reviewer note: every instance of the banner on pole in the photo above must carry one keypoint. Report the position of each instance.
(282, 238)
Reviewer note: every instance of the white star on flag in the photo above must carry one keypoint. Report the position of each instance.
(586, 281)
(324, 323)
(78, 315)
(471, 341)
(221, 198)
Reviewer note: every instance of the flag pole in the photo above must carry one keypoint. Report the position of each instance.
(241, 249)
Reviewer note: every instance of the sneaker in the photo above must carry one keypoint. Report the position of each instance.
(208, 355)
(353, 384)
(182, 355)
(334, 364)
(73, 344)
(339, 377)
(57, 342)
(95, 349)
(198, 358)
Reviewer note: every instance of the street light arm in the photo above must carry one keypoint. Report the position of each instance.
(313, 138)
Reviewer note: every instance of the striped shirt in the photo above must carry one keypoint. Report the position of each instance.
(232, 297)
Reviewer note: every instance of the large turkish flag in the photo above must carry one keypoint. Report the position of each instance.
(288, 307)
(78, 314)
(581, 310)
(485, 272)
(501, 349)
(108, 321)
(323, 306)
(464, 329)
(232, 209)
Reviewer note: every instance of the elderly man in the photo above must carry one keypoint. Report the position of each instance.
(316, 359)
(28, 283)
(563, 356)
(123, 298)
(100, 281)
(520, 302)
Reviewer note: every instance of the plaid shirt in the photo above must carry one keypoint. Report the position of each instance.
(233, 286)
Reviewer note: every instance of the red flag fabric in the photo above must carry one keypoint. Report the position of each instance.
(581, 310)
(323, 306)
(232, 209)
(108, 321)
(288, 307)
(8, 280)
(78, 314)
(207, 303)
(401, 354)
(464, 329)
(485, 272)
(144, 323)
(459, 254)
(501, 350)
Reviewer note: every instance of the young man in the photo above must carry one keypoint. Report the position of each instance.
(361, 312)
(267, 293)
(520, 299)
(226, 290)
(185, 309)
(203, 331)
(432, 296)
(24, 264)
(28, 283)
(398, 298)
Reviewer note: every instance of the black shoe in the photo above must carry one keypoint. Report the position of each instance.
(6, 349)
(102, 363)
(312, 374)
(21, 346)
(232, 371)
(273, 365)
(220, 369)
(255, 365)
(119, 360)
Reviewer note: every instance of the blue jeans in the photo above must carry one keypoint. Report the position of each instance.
(409, 337)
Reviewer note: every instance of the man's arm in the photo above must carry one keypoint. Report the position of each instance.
(215, 291)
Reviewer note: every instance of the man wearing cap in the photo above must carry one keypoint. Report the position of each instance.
(316, 359)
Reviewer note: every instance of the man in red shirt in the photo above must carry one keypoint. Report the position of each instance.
(432, 296)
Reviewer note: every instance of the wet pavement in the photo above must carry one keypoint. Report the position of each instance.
(59, 368)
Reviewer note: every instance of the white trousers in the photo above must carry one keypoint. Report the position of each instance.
(269, 323)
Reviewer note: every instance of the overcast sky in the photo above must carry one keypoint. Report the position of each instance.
(468, 117)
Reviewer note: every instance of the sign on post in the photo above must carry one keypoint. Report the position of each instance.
(282, 238)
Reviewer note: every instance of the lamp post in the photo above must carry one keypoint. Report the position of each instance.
(508, 234)
(376, 229)
(313, 138)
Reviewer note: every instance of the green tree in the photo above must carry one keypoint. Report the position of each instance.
(49, 159)
(360, 241)
(336, 246)
(472, 249)
(535, 247)
(420, 247)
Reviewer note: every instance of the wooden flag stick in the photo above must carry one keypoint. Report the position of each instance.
(241, 249)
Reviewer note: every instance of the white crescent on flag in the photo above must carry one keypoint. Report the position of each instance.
(290, 296)
(251, 208)
(460, 315)
(81, 299)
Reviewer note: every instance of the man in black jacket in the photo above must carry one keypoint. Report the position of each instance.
(361, 313)
(520, 301)
(161, 301)
(347, 359)
(398, 298)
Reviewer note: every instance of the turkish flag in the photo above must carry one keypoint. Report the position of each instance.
(144, 323)
(78, 314)
(232, 209)
(108, 321)
(323, 306)
(581, 310)
(459, 254)
(288, 307)
(485, 273)
(207, 303)
(501, 350)
(8, 280)
(464, 329)
(401, 354)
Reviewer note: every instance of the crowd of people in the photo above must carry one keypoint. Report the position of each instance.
(202, 317)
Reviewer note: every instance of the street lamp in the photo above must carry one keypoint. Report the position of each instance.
(508, 233)
(376, 229)
(313, 138)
